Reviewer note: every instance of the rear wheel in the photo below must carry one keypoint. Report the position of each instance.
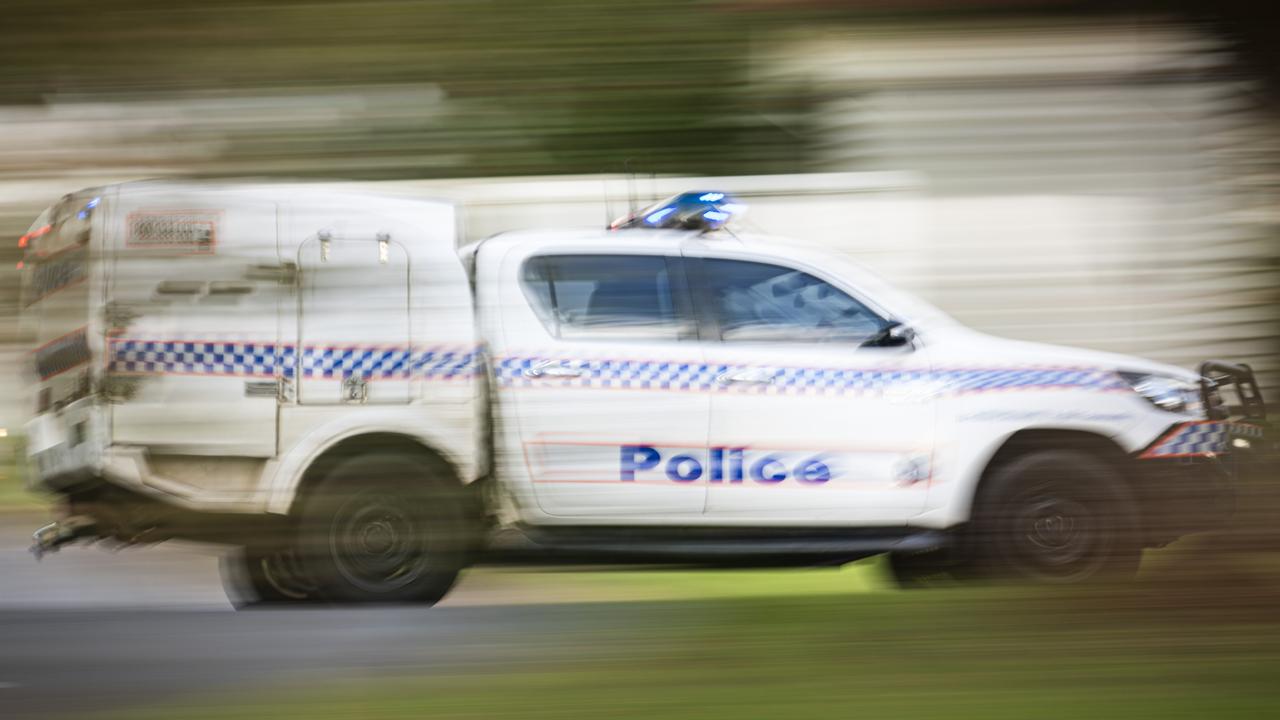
(389, 529)
(255, 576)
(1055, 516)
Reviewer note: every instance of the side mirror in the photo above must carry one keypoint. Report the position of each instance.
(895, 334)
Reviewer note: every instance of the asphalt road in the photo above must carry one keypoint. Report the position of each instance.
(88, 629)
(63, 662)
(170, 575)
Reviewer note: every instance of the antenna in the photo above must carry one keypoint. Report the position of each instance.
(608, 206)
(632, 205)
(653, 180)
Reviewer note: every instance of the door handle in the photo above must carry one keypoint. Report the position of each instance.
(552, 369)
(264, 388)
(749, 376)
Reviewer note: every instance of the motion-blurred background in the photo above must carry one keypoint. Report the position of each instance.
(1098, 174)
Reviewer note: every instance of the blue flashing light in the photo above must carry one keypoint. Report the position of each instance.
(703, 211)
(88, 207)
(656, 218)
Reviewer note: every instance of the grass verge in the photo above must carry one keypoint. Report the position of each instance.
(950, 654)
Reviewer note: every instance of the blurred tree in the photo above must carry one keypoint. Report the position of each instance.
(550, 87)
(554, 86)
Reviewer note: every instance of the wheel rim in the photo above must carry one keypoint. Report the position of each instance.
(1055, 535)
(377, 544)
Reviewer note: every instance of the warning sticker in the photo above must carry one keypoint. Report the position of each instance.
(183, 231)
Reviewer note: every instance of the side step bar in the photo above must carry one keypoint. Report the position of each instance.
(514, 546)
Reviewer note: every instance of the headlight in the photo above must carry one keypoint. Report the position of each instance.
(1166, 393)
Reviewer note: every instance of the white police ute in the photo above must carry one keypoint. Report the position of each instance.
(322, 380)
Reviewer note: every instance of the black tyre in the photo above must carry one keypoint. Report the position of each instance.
(385, 529)
(254, 576)
(1056, 516)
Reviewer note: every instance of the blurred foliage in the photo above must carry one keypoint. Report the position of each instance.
(14, 495)
(562, 86)
(549, 87)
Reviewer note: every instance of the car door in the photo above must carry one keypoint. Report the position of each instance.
(808, 421)
(597, 367)
(353, 321)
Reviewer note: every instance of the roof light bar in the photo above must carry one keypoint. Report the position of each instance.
(703, 210)
(88, 208)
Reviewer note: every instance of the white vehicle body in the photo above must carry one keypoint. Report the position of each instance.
(234, 373)
(206, 345)
(905, 432)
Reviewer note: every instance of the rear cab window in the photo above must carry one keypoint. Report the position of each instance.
(641, 297)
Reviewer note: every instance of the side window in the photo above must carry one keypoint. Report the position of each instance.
(606, 296)
(754, 301)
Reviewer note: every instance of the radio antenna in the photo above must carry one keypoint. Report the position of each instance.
(608, 206)
(632, 207)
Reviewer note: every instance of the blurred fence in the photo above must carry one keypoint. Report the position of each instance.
(1106, 181)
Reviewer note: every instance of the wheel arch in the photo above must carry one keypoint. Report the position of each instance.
(1029, 440)
(432, 536)
(369, 443)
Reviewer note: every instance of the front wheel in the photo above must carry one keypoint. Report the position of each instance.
(1057, 516)
(384, 529)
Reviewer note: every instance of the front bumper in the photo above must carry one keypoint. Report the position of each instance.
(1190, 477)
(1180, 496)
(1191, 473)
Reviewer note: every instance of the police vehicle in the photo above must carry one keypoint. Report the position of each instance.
(325, 381)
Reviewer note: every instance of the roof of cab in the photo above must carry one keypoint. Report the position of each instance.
(661, 240)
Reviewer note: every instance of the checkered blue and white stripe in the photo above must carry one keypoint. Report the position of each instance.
(193, 358)
(834, 381)
(446, 363)
(250, 359)
(347, 361)
(1189, 439)
(1245, 430)
(263, 359)
(622, 374)
(1028, 378)
(639, 374)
